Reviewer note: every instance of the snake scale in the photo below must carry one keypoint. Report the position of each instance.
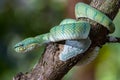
(75, 32)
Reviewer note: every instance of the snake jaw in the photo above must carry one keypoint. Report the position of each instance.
(31, 47)
(20, 49)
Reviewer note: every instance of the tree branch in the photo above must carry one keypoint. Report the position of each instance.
(51, 68)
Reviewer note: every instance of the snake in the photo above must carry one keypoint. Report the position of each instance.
(75, 32)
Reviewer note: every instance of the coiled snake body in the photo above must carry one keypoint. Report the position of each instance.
(75, 32)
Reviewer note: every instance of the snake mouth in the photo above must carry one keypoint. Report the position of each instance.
(20, 49)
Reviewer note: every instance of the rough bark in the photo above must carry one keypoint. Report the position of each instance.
(50, 67)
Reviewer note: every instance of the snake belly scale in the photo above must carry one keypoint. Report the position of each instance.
(75, 32)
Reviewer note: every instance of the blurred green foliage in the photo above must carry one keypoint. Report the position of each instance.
(20, 19)
(108, 66)
(24, 18)
(108, 61)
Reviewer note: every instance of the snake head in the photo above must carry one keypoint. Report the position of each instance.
(26, 45)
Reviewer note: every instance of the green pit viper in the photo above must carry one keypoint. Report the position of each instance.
(75, 32)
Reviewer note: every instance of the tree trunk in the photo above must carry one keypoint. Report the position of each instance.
(50, 67)
(71, 7)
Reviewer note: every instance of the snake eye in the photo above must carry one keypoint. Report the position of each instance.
(21, 44)
(18, 45)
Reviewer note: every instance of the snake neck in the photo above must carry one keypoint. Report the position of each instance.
(42, 39)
